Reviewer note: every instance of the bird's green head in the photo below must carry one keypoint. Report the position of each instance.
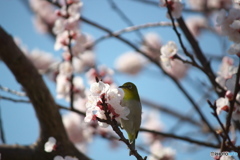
(130, 91)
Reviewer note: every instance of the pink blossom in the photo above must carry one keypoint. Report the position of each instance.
(112, 97)
(152, 122)
(41, 60)
(178, 69)
(175, 6)
(222, 104)
(151, 44)
(44, 18)
(229, 24)
(65, 158)
(196, 24)
(234, 49)
(102, 72)
(212, 4)
(130, 63)
(160, 152)
(226, 70)
(63, 87)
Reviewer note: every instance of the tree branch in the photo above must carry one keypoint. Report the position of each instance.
(206, 144)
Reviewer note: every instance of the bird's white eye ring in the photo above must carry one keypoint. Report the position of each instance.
(130, 86)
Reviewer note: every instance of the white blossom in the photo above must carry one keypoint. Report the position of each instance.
(226, 71)
(222, 104)
(151, 44)
(64, 85)
(234, 49)
(223, 157)
(49, 146)
(41, 59)
(65, 158)
(112, 98)
(160, 152)
(176, 7)
(229, 24)
(130, 63)
(178, 69)
(167, 52)
(195, 24)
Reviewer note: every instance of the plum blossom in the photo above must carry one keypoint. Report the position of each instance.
(41, 60)
(226, 71)
(84, 61)
(222, 104)
(223, 157)
(168, 51)
(44, 18)
(178, 69)
(229, 23)
(234, 49)
(152, 122)
(206, 4)
(175, 6)
(160, 152)
(112, 98)
(63, 87)
(50, 145)
(79, 132)
(65, 158)
(68, 18)
(196, 24)
(130, 63)
(102, 71)
(151, 44)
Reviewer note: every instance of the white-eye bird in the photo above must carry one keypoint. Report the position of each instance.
(132, 101)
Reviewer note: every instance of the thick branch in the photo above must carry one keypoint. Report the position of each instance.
(46, 110)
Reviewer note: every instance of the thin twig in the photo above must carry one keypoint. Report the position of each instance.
(232, 103)
(133, 28)
(14, 100)
(169, 135)
(22, 94)
(173, 113)
(1, 127)
(219, 121)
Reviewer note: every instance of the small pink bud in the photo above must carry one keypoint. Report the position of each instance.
(229, 95)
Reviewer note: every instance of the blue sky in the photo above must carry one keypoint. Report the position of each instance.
(20, 123)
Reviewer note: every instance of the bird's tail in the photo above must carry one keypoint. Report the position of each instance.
(133, 147)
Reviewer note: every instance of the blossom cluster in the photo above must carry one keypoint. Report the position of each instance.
(227, 79)
(229, 23)
(133, 62)
(103, 98)
(175, 7)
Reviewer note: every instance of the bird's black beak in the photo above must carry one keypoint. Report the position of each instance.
(121, 87)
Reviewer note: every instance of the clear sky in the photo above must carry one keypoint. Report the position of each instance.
(19, 121)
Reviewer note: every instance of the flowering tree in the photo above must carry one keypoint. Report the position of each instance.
(91, 89)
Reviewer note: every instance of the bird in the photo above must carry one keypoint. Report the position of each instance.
(131, 100)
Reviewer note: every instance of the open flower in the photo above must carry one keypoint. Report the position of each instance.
(130, 63)
(167, 52)
(50, 145)
(222, 104)
(175, 6)
(234, 49)
(230, 24)
(102, 98)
